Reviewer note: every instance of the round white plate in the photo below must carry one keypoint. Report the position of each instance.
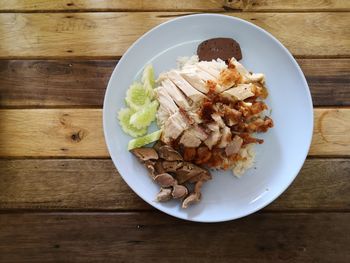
(278, 160)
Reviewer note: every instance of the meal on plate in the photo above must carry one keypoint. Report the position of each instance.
(208, 111)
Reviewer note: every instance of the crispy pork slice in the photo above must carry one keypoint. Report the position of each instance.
(241, 92)
(175, 94)
(173, 127)
(165, 100)
(186, 88)
(234, 146)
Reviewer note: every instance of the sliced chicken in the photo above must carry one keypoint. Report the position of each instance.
(162, 115)
(165, 100)
(213, 67)
(257, 77)
(193, 137)
(195, 117)
(247, 77)
(185, 87)
(175, 94)
(193, 78)
(205, 76)
(241, 92)
(228, 78)
(197, 77)
(173, 127)
(189, 139)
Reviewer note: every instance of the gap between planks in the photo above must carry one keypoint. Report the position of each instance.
(170, 5)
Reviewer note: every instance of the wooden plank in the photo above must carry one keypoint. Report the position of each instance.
(329, 80)
(95, 185)
(112, 5)
(335, 142)
(288, 5)
(148, 237)
(51, 35)
(71, 83)
(170, 5)
(47, 83)
(78, 133)
(66, 132)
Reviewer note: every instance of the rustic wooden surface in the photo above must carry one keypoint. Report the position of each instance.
(43, 83)
(62, 200)
(321, 185)
(79, 133)
(149, 237)
(86, 35)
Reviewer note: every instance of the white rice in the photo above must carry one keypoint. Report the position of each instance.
(241, 166)
(182, 61)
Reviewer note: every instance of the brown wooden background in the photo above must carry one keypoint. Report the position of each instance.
(61, 199)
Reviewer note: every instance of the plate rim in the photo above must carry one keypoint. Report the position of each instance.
(309, 99)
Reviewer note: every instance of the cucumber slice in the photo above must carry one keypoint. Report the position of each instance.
(124, 116)
(137, 97)
(145, 116)
(148, 80)
(148, 75)
(141, 141)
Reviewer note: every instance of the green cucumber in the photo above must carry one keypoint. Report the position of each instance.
(145, 116)
(141, 141)
(124, 116)
(137, 97)
(148, 80)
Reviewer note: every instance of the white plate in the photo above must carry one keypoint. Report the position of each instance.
(278, 160)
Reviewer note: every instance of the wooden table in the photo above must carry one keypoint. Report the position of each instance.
(61, 199)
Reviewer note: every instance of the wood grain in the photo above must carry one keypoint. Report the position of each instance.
(288, 5)
(95, 185)
(78, 133)
(148, 237)
(59, 83)
(72, 83)
(171, 5)
(332, 143)
(66, 132)
(113, 5)
(329, 80)
(51, 35)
